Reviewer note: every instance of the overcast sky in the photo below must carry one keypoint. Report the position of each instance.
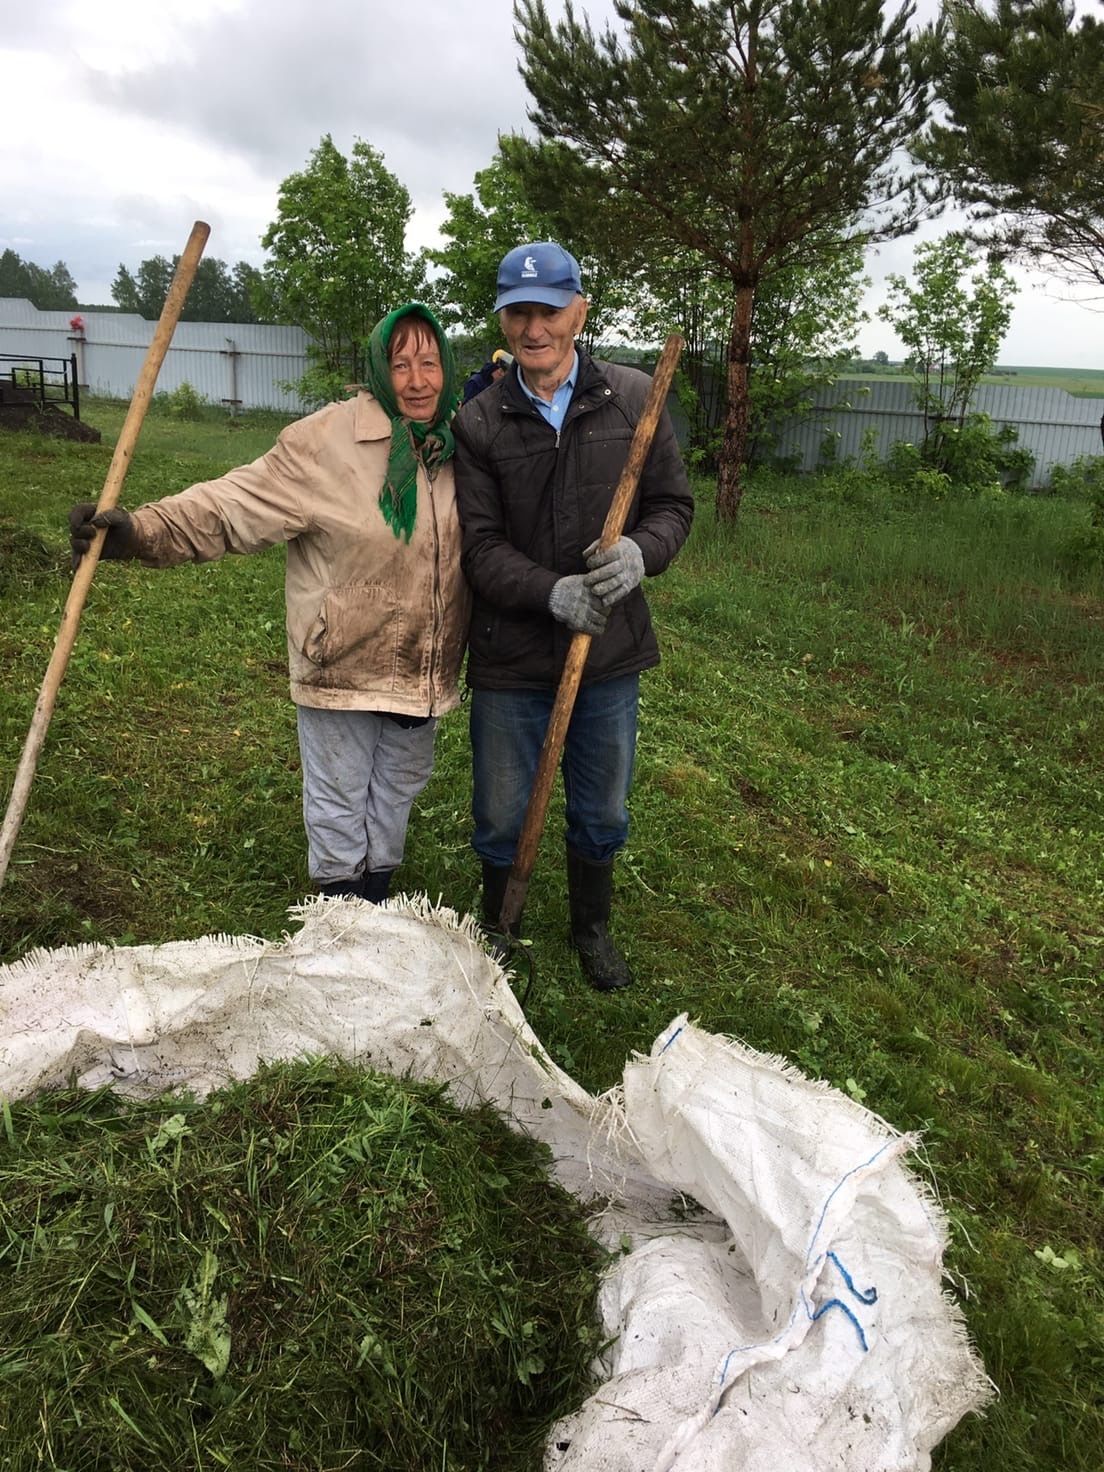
(125, 120)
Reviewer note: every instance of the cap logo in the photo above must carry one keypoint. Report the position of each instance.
(529, 269)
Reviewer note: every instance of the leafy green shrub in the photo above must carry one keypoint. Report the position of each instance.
(784, 462)
(930, 482)
(828, 453)
(1016, 462)
(868, 449)
(845, 484)
(903, 462)
(1083, 552)
(700, 453)
(854, 480)
(185, 402)
(970, 457)
(320, 385)
(976, 457)
(1082, 477)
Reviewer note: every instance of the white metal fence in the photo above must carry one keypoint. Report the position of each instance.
(1054, 425)
(247, 364)
(239, 363)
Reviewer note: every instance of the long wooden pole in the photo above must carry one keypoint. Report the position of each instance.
(82, 578)
(517, 886)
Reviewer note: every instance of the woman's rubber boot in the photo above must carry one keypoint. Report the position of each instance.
(495, 879)
(346, 889)
(590, 896)
(375, 885)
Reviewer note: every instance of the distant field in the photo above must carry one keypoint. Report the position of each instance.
(1085, 383)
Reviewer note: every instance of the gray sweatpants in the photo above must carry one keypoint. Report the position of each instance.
(361, 774)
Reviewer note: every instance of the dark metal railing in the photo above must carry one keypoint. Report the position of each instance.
(25, 379)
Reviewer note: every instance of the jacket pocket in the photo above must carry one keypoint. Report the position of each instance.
(518, 645)
(639, 620)
(355, 639)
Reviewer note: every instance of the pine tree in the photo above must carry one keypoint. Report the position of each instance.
(745, 130)
(217, 294)
(1023, 145)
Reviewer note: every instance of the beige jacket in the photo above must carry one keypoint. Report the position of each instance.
(373, 623)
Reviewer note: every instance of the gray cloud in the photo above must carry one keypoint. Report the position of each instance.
(429, 84)
(33, 28)
(207, 106)
(95, 233)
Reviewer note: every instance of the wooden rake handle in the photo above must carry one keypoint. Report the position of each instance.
(82, 578)
(525, 857)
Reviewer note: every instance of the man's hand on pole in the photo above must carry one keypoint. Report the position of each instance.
(615, 572)
(573, 603)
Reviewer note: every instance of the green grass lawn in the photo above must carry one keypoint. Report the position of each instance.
(867, 834)
(1083, 383)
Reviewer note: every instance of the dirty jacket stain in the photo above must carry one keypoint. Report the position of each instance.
(373, 622)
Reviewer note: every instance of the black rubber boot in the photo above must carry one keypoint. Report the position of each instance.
(342, 889)
(375, 885)
(495, 879)
(590, 895)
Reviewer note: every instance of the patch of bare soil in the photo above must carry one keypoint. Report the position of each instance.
(45, 419)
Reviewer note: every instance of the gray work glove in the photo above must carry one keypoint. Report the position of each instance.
(616, 572)
(122, 540)
(572, 602)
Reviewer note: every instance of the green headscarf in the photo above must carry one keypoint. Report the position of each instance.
(432, 444)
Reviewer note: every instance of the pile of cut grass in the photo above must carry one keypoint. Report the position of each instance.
(320, 1267)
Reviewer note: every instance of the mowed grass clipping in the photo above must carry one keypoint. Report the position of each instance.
(319, 1268)
(868, 827)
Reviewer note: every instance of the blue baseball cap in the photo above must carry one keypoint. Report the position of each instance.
(541, 272)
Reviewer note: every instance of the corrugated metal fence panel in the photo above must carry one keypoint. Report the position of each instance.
(245, 361)
(850, 410)
(1054, 425)
(249, 362)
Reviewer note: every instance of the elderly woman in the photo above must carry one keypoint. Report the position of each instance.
(377, 608)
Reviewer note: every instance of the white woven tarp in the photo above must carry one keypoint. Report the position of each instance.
(796, 1321)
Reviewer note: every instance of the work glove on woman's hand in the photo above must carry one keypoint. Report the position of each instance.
(122, 540)
(572, 602)
(615, 572)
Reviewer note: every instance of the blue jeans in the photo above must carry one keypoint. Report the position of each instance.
(507, 732)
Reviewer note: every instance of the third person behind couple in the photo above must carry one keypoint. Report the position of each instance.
(538, 458)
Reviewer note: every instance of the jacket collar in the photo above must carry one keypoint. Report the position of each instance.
(589, 378)
(370, 422)
(592, 375)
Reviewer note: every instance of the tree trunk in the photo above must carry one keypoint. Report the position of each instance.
(730, 471)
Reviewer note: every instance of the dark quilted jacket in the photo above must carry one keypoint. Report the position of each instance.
(530, 502)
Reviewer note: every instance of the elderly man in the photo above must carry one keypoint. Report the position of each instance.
(538, 458)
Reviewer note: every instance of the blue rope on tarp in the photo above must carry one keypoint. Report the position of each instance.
(869, 1297)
